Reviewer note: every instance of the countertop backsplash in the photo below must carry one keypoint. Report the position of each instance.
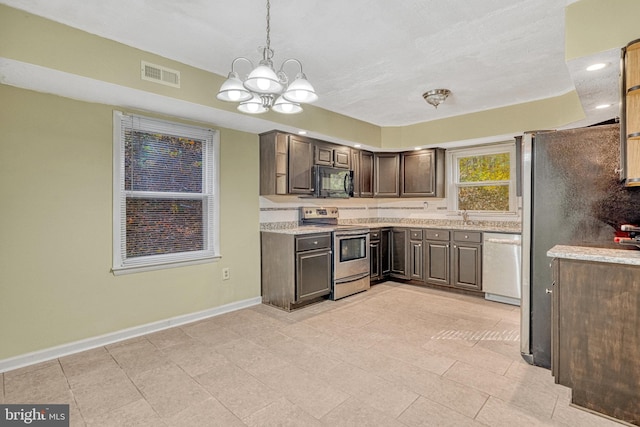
(282, 212)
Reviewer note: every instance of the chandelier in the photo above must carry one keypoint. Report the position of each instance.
(266, 89)
(436, 96)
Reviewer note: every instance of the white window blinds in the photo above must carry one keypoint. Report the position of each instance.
(165, 193)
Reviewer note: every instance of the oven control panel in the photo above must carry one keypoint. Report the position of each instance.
(315, 213)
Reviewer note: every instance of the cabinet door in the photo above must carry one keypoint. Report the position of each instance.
(417, 170)
(323, 155)
(313, 274)
(342, 157)
(366, 174)
(385, 252)
(374, 256)
(300, 165)
(273, 163)
(422, 173)
(387, 171)
(399, 253)
(467, 266)
(436, 261)
(415, 260)
(355, 167)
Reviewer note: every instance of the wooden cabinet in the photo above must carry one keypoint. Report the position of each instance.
(595, 338)
(366, 174)
(286, 164)
(379, 240)
(287, 161)
(415, 255)
(630, 117)
(467, 260)
(300, 165)
(336, 156)
(385, 252)
(295, 269)
(437, 257)
(386, 175)
(422, 173)
(374, 254)
(313, 274)
(274, 154)
(398, 246)
(355, 167)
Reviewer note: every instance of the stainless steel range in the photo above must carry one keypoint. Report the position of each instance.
(350, 251)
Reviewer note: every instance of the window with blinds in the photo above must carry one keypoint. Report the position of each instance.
(165, 194)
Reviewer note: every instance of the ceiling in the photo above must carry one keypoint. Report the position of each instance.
(367, 59)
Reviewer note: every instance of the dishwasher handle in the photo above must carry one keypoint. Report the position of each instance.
(503, 241)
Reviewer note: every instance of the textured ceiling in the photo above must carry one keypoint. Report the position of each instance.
(368, 59)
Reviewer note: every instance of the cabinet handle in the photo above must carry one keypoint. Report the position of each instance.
(548, 291)
(315, 243)
(466, 237)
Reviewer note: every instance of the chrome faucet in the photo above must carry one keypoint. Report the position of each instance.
(465, 217)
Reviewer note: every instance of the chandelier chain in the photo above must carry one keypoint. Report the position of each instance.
(268, 27)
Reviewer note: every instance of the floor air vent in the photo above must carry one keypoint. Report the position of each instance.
(159, 74)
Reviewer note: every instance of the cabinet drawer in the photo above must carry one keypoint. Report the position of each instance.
(442, 235)
(415, 234)
(467, 236)
(374, 234)
(314, 241)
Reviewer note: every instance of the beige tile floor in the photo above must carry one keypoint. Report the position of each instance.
(397, 355)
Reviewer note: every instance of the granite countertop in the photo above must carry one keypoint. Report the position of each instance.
(583, 253)
(308, 229)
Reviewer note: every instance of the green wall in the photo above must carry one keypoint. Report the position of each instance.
(593, 26)
(55, 258)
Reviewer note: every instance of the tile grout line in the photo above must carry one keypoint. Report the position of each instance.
(66, 378)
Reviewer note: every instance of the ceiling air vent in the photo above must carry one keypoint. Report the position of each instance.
(159, 74)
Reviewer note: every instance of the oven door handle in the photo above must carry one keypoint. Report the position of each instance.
(351, 278)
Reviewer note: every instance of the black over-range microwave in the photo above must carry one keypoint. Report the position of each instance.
(333, 182)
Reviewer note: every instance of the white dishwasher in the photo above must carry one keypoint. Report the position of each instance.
(501, 258)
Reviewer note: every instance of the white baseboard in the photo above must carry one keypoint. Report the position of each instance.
(125, 334)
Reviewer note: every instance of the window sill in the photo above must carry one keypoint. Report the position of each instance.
(129, 269)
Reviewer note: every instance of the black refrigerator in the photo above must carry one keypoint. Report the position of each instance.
(571, 195)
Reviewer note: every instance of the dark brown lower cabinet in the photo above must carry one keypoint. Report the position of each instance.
(437, 264)
(295, 269)
(379, 239)
(416, 257)
(467, 260)
(595, 335)
(399, 259)
(375, 272)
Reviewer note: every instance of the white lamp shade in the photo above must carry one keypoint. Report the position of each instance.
(253, 106)
(300, 90)
(232, 90)
(263, 80)
(285, 107)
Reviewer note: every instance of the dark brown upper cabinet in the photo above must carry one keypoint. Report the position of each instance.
(300, 165)
(422, 173)
(336, 156)
(386, 173)
(362, 167)
(286, 164)
(274, 155)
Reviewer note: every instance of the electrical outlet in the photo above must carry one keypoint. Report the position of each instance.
(226, 273)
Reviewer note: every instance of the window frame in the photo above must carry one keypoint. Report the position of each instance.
(210, 195)
(454, 177)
